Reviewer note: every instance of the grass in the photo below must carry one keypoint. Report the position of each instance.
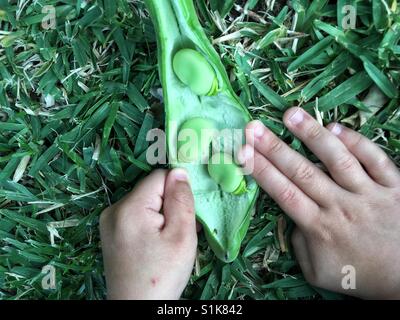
(76, 103)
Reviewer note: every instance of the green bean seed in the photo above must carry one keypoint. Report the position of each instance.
(227, 174)
(196, 72)
(194, 139)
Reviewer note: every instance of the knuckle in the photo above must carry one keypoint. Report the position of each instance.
(183, 240)
(187, 221)
(314, 131)
(261, 170)
(275, 146)
(322, 234)
(121, 222)
(118, 230)
(357, 141)
(303, 172)
(126, 222)
(344, 162)
(180, 240)
(288, 195)
(348, 215)
(320, 230)
(383, 162)
(184, 200)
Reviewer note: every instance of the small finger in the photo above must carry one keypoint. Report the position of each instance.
(377, 163)
(288, 196)
(340, 162)
(308, 177)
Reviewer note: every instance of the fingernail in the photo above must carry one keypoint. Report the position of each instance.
(180, 175)
(245, 154)
(258, 128)
(297, 117)
(336, 129)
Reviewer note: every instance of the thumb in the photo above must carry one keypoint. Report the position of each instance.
(178, 206)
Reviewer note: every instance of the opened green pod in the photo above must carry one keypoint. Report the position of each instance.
(225, 216)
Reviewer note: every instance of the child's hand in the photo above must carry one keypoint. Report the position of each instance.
(149, 255)
(351, 219)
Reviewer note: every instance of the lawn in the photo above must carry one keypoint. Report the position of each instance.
(79, 90)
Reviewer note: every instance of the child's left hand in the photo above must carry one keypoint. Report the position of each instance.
(149, 255)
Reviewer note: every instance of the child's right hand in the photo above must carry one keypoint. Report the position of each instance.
(349, 219)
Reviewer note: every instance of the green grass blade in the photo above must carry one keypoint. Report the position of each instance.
(381, 80)
(343, 92)
(310, 54)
